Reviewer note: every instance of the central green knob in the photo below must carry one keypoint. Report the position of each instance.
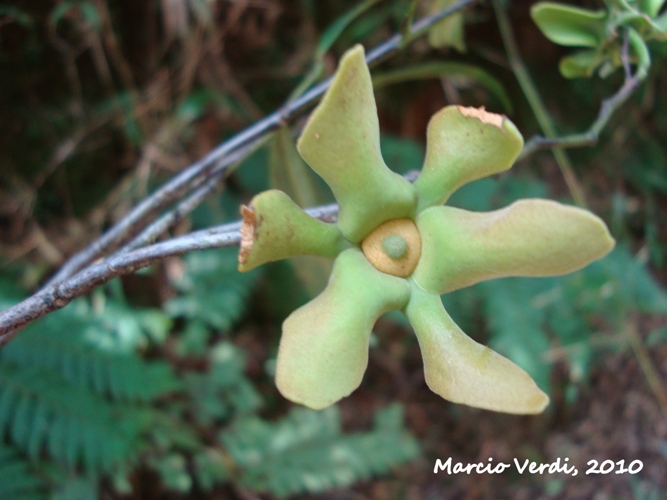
(395, 246)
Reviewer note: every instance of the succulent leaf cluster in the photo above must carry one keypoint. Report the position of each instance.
(396, 247)
(600, 33)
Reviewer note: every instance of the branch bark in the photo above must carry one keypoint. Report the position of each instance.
(78, 276)
(590, 137)
(215, 164)
(58, 295)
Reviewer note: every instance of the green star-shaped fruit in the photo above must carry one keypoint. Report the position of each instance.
(397, 248)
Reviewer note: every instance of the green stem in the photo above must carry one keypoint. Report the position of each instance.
(406, 25)
(327, 40)
(535, 102)
(590, 136)
(608, 107)
(651, 374)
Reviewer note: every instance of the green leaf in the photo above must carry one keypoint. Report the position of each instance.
(651, 7)
(334, 31)
(173, 472)
(326, 41)
(253, 173)
(20, 478)
(76, 344)
(194, 105)
(78, 488)
(459, 71)
(449, 31)
(212, 290)
(614, 290)
(645, 168)
(629, 285)
(223, 391)
(306, 452)
(40, 410)
(211, 468)
(581, 64)
(571, 26)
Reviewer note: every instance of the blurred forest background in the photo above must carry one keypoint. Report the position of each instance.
(159, 384)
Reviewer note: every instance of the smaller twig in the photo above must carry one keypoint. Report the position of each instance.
(58, 295)
(651, 374)
(193, 183)
(591, 136)
(406, 23)
(607, 109)
(204, 187)
(625, 55)
(171, 218)
(182, 184)
(535, 100)
(325, 43)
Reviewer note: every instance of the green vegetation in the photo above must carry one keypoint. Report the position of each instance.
(162, 381)
(88, 393)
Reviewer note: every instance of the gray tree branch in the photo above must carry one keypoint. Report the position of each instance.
(218, 161)
(58, 295)
(590, 137)
(80, 275)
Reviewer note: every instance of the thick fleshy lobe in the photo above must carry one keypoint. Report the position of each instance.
(463, 371)
(274, 228)
(528, 238)
(323, 351)
(341, 142)
(464, 144)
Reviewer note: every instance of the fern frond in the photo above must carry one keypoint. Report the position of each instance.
(42, 411)
(18, 477)
(620, 283)
(211, 468)
(608, 290)
(63, 344)
(173, 472)
(517, 324)
(212, 290)
(307, 451)
(77, 488)
(223, 390)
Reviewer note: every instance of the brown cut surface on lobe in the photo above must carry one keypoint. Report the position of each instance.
(247, 232)
(482, 115)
